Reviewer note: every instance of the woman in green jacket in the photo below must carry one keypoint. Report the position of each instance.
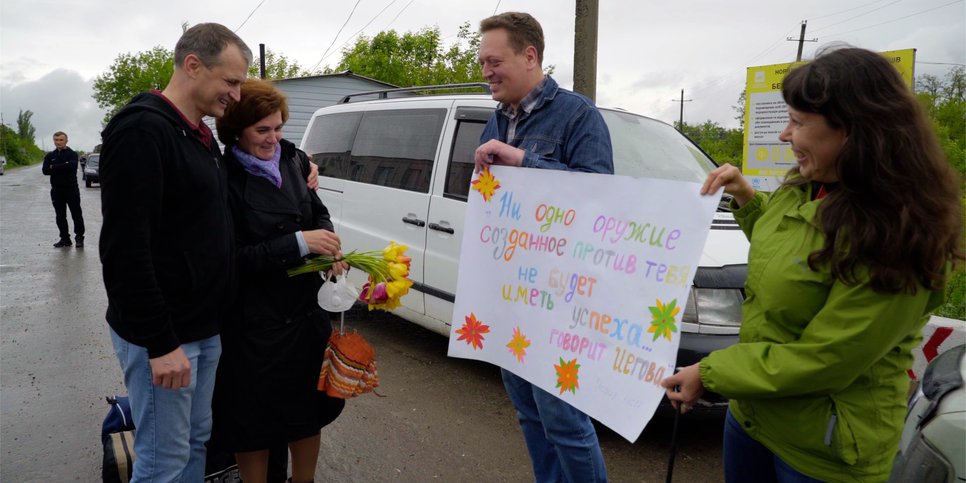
(848, 258)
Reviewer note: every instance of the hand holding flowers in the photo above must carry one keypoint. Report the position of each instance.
(388, 273)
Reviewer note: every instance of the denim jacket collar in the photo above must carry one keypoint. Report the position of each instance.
(535, 99)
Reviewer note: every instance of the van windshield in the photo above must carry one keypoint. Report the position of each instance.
(644, 147)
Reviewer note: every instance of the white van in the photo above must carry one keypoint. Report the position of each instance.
(399, 169)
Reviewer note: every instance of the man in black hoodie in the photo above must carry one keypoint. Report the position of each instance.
(61, 165)
(166, 250)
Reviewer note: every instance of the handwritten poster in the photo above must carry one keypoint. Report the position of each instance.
(578, 283)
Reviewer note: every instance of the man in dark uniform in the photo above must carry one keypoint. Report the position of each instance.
(61, 165)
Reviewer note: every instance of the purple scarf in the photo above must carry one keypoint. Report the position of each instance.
(267, 169)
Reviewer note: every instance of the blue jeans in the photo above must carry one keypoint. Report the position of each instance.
(172, 425)
(561, 440)
(748, 461)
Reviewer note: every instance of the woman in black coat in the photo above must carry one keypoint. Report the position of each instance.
(265, 392)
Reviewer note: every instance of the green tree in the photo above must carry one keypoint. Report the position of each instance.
(278, 66)
(945, 101)
(17, 150)
(414, 58)
(25, 129)
(132, 74)
(739, 108)
(722, 144)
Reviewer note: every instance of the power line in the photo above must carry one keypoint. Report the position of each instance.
(857, 16)
(373, 19)
(337, 34)
(897, 19)
(249, 16)
(398, 14)
(772, 46)
(941, 63)
(847, 10)
(497, 6)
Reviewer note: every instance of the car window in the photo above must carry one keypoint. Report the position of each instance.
(647, 148)
(93, 161)
(460, 168)
(329, 141)
(396, 148)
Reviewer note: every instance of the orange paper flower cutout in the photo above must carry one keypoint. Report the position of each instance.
(472, 331)
(486, 184)
(567, 375)
(518, 344)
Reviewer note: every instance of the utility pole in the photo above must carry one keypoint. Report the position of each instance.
(682, 100)
(261, 55)
(585, 48)
(801, 41)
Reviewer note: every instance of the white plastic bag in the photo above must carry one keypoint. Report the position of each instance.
(338, 296)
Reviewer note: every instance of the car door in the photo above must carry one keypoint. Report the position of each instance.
(387, 184)
(447, 206)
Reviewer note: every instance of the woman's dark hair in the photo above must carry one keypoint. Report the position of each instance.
(258, 99)
(896, 210)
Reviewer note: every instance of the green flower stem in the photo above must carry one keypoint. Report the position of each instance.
(372, 263)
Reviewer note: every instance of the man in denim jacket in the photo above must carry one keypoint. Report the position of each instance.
(540, 125)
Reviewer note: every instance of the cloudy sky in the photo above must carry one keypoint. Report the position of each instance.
(51, 50)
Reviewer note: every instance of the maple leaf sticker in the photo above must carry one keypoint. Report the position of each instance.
(663, 322)
(472, 332)
(486, 184)
(518, 344)
(567, 375)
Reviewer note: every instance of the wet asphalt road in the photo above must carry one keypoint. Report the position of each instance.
(438, 419)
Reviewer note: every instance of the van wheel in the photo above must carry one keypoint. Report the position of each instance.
(88, 183)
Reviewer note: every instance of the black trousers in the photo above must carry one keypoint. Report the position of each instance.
(65, 197)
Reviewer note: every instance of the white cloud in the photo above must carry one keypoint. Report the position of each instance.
(647, 51)
(60, 101)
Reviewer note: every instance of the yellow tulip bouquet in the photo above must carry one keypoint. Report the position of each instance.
(388, 273)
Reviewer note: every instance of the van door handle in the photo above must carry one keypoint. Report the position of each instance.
(413, 221)
(444, 229)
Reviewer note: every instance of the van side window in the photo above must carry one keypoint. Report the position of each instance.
(396, 148)
(460, 169)
(329, 141)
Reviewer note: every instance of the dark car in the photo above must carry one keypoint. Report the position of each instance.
(91, 172)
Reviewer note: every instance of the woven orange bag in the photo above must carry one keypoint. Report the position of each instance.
(348, 367)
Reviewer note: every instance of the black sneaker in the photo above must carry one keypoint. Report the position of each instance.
(63, 243)
(79, 241)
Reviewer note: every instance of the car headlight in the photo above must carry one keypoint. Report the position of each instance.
(714, 306)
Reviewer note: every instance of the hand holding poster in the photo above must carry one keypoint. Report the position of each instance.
(577, 282)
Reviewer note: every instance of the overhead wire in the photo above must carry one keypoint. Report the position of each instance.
(897, 19)
(249, 16)
(398, 14)
(846, 10)
(337, 35)
(774, 45)
(373, 19)
(855, 17)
